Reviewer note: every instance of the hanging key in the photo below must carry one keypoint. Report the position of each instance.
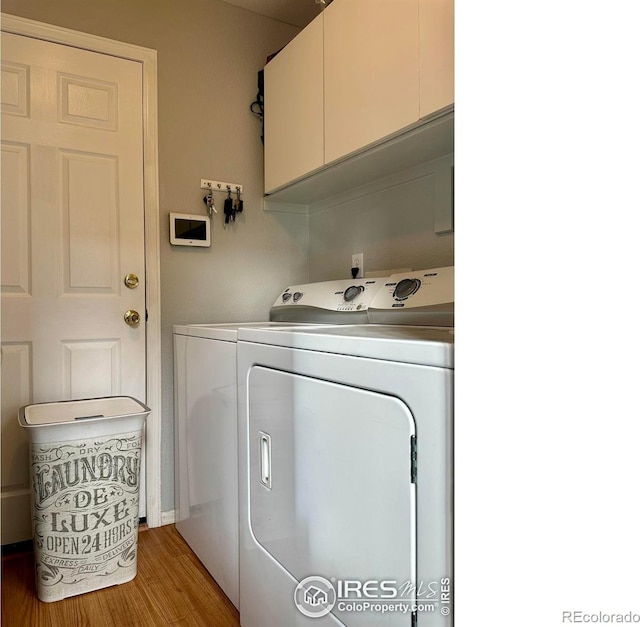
(239, 201)
(208, 200)
(228, 207)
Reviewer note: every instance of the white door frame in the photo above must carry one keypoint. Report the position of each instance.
(148, 59)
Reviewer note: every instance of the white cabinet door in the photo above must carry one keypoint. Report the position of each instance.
(436, 55)
(72, 228)
(371, 70)
(293, 121)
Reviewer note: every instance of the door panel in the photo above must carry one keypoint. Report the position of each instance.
(72, 228)
(91, 368)
(329, 507)
(15, 88)
(85, 102)
(90, 224)
(16, 257)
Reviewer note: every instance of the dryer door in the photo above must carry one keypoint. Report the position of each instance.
(330, 483)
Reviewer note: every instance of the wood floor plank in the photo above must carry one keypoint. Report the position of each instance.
(172, 587)
(19, 594)
(131, 602)
(169, 580)
(204, 597)
(194, 619)
(81, 610)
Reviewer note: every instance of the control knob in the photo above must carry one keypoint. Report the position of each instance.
(297, 296)
(406, 288)
(352, 292)
(285, 297)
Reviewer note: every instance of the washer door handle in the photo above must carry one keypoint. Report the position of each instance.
(265, 460)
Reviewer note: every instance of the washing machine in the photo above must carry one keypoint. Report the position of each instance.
(346, 465)
(206, 454)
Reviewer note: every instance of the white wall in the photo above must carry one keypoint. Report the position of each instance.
(394, 228)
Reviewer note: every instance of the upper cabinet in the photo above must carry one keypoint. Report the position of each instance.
(294, 110)
(362, 75)
(371, 66)
(436, 55)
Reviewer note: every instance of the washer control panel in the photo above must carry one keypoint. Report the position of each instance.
(425, 297)
(328, 297)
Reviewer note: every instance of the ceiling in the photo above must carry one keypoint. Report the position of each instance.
(296, 12)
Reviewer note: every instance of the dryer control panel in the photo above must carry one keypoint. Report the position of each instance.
(340, 301)
(423, 297)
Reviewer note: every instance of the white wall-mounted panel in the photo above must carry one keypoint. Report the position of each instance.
(90, 208)
(15, 89)
(16, 238)
(91, 368)
(87, 102)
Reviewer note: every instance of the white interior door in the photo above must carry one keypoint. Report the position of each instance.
(72, 229)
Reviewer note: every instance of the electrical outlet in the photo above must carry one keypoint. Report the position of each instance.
(357, 261)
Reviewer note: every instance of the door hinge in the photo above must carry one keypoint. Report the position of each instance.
(146, 315)
(414, 459)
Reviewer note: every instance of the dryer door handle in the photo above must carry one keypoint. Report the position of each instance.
(265, 459)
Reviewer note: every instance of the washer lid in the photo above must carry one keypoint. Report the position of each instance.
(227, 332)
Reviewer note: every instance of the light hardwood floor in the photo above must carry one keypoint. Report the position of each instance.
(172, 587)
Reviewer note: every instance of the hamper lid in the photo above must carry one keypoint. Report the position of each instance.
(93, 409)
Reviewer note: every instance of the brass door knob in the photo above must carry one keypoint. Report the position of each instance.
(131, 281)
(132, 318)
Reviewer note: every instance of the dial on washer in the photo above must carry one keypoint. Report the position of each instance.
(406, 288)
(352, 292)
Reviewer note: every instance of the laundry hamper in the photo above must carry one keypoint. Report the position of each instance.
(85, 478)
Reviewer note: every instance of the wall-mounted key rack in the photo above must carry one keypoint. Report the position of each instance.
(220, 186)
(233, 202)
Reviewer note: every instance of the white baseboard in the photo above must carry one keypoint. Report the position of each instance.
(168, 518)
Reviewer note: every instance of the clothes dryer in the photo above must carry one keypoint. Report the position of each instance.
(346, 468)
